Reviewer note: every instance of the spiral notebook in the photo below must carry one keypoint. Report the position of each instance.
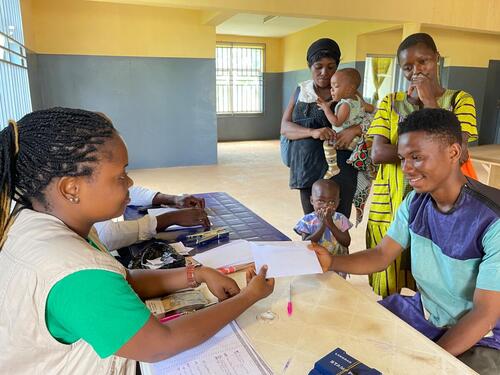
(228, 352)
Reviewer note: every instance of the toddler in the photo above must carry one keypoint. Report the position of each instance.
(326, 226)
(349, 111)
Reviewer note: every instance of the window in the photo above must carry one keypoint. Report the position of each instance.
(379, 80)
(239, 77)
(15, 99)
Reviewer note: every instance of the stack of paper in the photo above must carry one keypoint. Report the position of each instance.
(231, 254)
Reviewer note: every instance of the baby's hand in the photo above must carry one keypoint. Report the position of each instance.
(321, 213)
(329, 212)
(323, 105)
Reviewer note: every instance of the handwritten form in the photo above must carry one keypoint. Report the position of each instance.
(227, 353)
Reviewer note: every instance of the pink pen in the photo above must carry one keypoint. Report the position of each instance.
(171, 317)
(289, 306)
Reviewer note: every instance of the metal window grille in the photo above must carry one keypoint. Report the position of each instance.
(239, 78)
(15, 98)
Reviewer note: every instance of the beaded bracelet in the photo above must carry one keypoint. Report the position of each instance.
(190, 276)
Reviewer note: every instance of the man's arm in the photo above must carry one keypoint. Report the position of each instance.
(474, 325)
(363, 262)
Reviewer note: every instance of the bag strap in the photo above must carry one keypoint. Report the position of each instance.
(296, 95)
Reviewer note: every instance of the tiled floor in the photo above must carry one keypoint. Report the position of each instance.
(251, 172)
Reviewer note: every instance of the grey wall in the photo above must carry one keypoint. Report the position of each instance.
(470, 79)
(36, 95)
(290, 81)
(163, 107)
(490, 123)
(253, 127)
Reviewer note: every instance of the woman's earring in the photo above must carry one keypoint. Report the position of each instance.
(74, 200)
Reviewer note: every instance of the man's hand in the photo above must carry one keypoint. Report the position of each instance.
(324, 257)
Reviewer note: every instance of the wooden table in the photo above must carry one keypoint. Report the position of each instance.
(328, 312)
(489, 156)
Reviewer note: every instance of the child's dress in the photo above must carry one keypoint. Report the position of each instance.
(310, 223)
(360, 157)
(356, 116)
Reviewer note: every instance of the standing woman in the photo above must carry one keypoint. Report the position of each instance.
(306, 126)
(418, 58)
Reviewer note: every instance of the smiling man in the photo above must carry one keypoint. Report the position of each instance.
(452, 225)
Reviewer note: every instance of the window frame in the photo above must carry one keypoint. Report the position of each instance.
(262, 47)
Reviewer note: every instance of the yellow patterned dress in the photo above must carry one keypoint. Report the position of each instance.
(390, 187)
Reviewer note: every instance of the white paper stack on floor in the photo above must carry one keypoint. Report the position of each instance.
(285, 258)
(231, 254)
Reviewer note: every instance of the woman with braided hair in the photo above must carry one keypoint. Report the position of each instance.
(67, 306)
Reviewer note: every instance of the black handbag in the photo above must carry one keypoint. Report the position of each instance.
(154, 249)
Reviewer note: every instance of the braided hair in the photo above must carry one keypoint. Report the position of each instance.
(44, 145)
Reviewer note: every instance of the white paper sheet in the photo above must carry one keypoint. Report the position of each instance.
(285, 259)
(229, 352)
(230, 254)
(162, 210)
(180, 248)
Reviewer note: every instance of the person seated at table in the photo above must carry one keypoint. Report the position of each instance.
(67, 305)
(118, 234)
(451, 222)
(325, 225)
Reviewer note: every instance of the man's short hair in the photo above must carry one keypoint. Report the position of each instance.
(434, 121)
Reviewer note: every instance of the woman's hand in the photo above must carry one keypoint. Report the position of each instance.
(423, 85)
(188, 217)
(258, 286)
(324, 257)
(345, 137)
(221, 286)
(323, 134)
(186, 201)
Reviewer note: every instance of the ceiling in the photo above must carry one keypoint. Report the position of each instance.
(264, 26)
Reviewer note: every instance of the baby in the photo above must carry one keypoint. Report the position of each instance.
(349, 111)
(326, 226)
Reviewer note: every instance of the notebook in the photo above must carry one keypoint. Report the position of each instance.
(228, 352)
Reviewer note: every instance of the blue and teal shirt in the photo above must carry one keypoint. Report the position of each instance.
(452, 254)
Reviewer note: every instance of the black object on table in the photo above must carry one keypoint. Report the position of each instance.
(224, 211)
